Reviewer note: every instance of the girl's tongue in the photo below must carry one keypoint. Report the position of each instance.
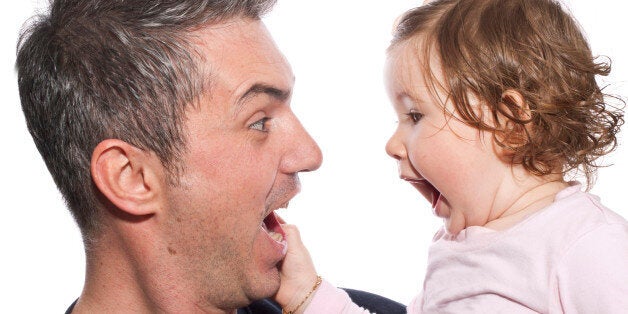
(428, 191)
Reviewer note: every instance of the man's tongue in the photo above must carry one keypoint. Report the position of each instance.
(273, 228)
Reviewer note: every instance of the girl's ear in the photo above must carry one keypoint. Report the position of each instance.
(513, 120)
(516, 104)
(127, 176)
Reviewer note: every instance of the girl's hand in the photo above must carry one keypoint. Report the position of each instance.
(297, 271)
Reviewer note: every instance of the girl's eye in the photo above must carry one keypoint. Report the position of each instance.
(260, 125)
(414, 116)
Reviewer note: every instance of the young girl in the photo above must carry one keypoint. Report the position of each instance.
(497, 103)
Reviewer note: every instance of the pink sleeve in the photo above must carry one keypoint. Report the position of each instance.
(329, 299)
(416, 305)
(593, 275)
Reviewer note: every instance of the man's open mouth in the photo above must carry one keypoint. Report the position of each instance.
(272, 226)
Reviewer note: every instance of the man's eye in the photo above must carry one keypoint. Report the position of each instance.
(260, 125)
(415, 116)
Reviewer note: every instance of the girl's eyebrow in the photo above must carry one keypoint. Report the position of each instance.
(408, 100)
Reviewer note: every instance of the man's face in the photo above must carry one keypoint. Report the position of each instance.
(244, 149)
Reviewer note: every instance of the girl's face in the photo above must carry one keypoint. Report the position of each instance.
(453, 165)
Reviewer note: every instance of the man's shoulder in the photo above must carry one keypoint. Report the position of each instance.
(372, 302)
(264, 306)
(71, 307)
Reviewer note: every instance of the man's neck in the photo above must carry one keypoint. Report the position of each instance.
(118, 280)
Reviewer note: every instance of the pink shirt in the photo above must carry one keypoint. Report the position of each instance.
(571, 257)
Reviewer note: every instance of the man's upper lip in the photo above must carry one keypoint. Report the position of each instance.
(283, 202)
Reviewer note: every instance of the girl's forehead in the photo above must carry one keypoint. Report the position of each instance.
(406, 53)
(402, 64)
(410, 66)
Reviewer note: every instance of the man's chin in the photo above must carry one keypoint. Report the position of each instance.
(265, 286)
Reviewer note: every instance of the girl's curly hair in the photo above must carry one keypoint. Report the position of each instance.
(501, 50)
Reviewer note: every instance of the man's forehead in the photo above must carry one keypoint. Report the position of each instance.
(240, 56)
(243, 33)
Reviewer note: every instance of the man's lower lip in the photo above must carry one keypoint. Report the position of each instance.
(280, 246)
(280, 242)
(271, 227)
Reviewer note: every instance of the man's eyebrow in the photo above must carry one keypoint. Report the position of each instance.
(265, 89)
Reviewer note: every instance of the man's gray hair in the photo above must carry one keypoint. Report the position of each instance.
(89, 70)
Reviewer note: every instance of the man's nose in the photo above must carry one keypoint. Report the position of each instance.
(303, 154)
(395, 147)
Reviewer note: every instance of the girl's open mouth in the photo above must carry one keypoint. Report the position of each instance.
(426, 189)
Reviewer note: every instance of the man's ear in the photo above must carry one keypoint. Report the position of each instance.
(127, 176)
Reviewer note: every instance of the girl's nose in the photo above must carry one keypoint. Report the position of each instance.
(395, 147)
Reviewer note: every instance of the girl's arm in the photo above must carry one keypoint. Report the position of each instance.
(299, 292)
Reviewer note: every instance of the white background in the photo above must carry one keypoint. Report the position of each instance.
(365, 228)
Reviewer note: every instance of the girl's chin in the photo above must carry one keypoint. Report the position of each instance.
(454, 224)
(451, 229)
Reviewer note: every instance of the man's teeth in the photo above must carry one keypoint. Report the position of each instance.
(276, 236)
